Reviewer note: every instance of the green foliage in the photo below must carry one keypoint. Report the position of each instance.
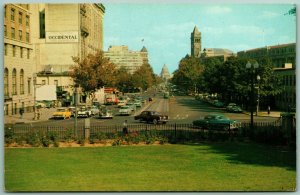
(9, 135)
(33, 139)
(69, 136)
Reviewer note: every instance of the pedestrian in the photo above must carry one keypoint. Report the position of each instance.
(38, 114)
(125, 130)
(21, 112)
(269, 110)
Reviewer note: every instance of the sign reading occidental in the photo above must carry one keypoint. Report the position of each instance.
(62, 37)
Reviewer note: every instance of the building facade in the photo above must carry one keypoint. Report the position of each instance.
(60, 32)
(18, 59)
(280, 55)
(219, 53)
(195, 43)
(121, 56)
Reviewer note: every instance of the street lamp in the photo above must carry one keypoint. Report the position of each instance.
(257, 107)
(252, 68)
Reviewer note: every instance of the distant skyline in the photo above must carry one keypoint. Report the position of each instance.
(165, 28)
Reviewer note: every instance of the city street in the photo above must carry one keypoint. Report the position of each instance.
(180, 109)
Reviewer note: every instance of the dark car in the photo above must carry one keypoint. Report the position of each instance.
(217, 122)
(152, 116)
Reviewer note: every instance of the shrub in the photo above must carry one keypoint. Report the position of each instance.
(33, 139)
(117, 142)
(45, 141)
(9, 135)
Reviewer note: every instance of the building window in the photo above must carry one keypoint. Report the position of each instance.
(6, 109)
(6, 92)
(29, 86)
(20, 35)
(13, 33)
(5, 49)
(5, 31)
(12, 14)
(21, 52)
(22, 81)
(43, 82)
(56, 82)
(27, 20)
(27, 37)
(14, 50)
(14, 82)
(20, 17)
(28, 53)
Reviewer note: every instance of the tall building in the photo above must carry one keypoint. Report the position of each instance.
(18, 59)
(195, 43)
(165, 74)
(121, 56)
(60, 32)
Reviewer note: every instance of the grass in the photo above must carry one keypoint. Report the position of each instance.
(202, 167)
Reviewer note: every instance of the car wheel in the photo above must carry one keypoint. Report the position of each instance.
(226, 128)
(155, 121)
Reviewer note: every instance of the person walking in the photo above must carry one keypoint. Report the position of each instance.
(269, 110)
(125, 129)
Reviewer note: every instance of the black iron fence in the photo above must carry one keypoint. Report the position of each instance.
(265, 132)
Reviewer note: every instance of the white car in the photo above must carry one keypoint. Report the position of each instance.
(84, 112)
(94, 110)
(121, 103)
(125, 110)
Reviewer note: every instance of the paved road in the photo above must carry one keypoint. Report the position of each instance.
(180, 109)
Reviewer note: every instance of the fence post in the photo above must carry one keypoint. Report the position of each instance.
(87, 128)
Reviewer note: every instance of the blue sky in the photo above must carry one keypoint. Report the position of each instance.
(166, 27)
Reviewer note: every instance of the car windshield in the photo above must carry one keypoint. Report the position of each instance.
(60, 110)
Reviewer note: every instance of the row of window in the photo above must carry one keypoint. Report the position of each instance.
(14, 50)
(20, 35)
(13, 14)
(15, 82)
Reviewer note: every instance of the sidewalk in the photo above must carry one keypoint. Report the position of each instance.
(274, 114)
(46, 113)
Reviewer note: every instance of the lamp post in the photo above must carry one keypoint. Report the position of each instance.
(252, 68)
(257, 107)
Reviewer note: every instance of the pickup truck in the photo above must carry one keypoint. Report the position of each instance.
(152, 116)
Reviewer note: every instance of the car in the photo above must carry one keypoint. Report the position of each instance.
(230, 105)
(131, 105)
(84, 112)
(137, 103)
(121, 103)
(235, 109)
(217, 122)
(106, 114)
(152, 116)
(218, 103)
(94, 110)
(125, 110)
(61, 113)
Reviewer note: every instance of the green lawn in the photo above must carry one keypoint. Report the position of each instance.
(204, 167)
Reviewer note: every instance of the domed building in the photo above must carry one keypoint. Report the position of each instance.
(165, 75)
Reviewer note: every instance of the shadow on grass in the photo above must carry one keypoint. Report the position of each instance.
(254, 154)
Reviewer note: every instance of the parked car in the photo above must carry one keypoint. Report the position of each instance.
(107, 114)
(152, 116)
(235, 109)
(218, 103)
(62, 113)
(230, 105)
(217, 122)
(125, 110)
(84, 112)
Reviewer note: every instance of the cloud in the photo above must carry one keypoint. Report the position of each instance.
(269, 15)
(218, 10)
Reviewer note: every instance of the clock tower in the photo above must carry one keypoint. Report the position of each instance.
(196, 43)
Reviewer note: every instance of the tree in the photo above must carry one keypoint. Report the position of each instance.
(93, 72)
(188, 74)
(143, 77)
